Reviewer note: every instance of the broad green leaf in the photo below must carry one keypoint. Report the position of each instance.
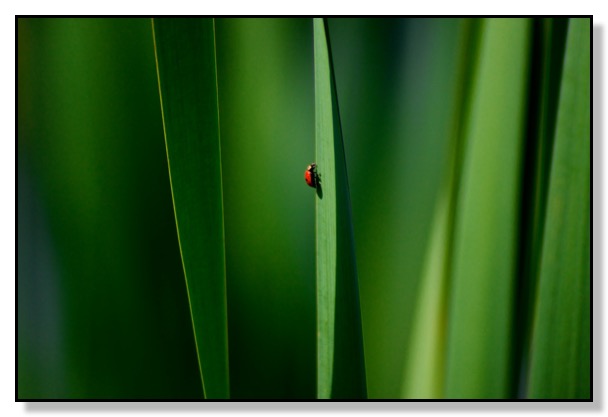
(185, 57)
(560, 352)
(485, 240)
(340, 359)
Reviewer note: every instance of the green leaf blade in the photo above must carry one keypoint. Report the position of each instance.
(487, 216)
(340, 358)
(185, 54)
(424, 371)
(560, 351)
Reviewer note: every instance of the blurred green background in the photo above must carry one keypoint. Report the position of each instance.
(102, 304)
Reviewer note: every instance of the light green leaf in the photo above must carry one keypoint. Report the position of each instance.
(340, 359)
(486, 234)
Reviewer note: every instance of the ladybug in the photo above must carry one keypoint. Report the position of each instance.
(310, 175)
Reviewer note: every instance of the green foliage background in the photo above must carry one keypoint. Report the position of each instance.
(444, 121)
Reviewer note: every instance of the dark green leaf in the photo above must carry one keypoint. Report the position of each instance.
(560, 356)
(185, 56)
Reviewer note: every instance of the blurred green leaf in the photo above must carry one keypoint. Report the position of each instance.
(485, 242)
(185, 56)
(560, 355)
(340, 358)
(547, 54)
(425, 360)
(102, 308)
(424, 371)
(395, 79)
(266, 98)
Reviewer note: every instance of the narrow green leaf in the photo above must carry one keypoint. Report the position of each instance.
(340, 359)
(560, 353)
(552, 49)
(485, 240)
(185, 58)
(547, 55)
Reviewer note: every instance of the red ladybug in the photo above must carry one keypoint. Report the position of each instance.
(310, 175)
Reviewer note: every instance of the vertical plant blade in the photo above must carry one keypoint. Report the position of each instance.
(547, 56)
(485, 240)
(425, 360)
(424, 370)
(185, 58)
(340, 359)
(560, 352)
